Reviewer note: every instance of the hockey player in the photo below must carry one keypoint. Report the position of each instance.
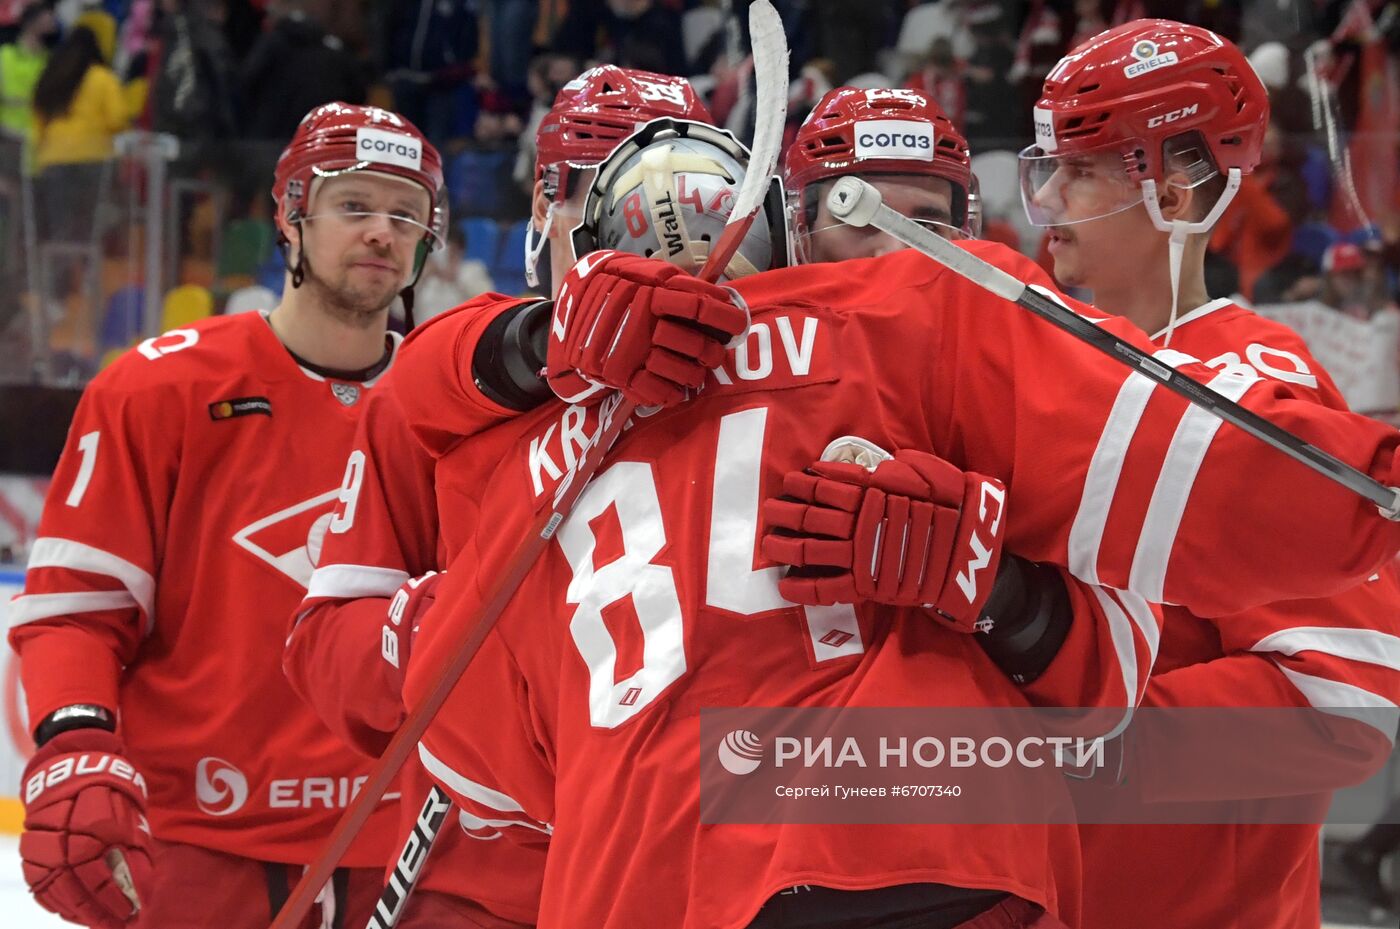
(590, 686)
(375, 550)
(352, 637)
(897, 140)
(178, 781)
(1143, 133)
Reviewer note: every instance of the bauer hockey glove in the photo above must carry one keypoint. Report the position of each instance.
(911, 530)
(86, 844)
(639, 325)
(406, 610)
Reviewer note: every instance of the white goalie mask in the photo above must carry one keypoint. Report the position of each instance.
(667, 192)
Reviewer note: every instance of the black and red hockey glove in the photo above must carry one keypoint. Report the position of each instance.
(639, 325)
(86, 844)
(914, 530)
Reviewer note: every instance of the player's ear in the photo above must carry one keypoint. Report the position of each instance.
(289, 231)
(1175, 199)
(539, 205)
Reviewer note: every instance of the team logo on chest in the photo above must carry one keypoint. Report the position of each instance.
(347, 394)
(290, 539)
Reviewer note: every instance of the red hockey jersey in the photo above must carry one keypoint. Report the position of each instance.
(388, 527)
(578, 720)
(184, 519)
(393, 523)
(1333, 654)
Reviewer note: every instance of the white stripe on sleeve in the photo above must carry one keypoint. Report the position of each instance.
(353, 581)
(1106, 466)
(1183, 460)
(31, 608)
(1338, 699)
(1124, 645)
(464, 786)
(1367, 645)
(51, 552)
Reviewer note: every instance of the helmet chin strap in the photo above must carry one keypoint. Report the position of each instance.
(534, 246)
(1182, 229)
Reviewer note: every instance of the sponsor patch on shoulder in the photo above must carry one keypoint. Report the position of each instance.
(389, 148)
(240, 406)
(894, 138)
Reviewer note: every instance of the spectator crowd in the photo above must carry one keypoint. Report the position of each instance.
(230, 78)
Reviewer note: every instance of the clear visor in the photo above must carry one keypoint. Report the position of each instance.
(1075, 187)
(361, 208)
(401, 226)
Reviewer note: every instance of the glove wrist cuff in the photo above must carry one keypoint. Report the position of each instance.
(74, 716)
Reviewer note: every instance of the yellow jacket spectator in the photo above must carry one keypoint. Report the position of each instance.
(21, 63)
(78, 104)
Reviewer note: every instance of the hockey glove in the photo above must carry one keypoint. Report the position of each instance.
(914, 530)
(86, 844)
(406, 610)
(639, 325)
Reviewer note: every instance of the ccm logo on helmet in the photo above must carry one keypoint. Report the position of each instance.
(1173, 116)
(894, 138)
(390, 148)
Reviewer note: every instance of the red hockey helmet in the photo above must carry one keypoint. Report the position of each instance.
(598, 109)
(878, 131)
(1127, 91)
(337, 138)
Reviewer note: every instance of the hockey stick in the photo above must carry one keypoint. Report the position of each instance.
(856, 203)
(771, 69)
(409, 865)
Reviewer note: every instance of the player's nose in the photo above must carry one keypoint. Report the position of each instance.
(379, 229)
(885, 244)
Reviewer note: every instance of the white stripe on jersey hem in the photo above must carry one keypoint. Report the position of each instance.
(1365, 645)
(1187, 451)
(353, 581)
(53, 552)
(30, 608)
(1205, 309)
(1345, 700)
(464, 786)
